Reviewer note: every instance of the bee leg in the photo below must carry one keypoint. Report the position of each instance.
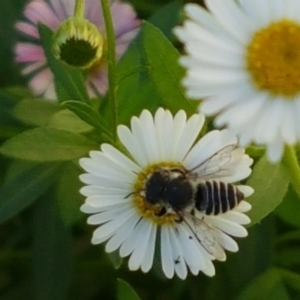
(162, 212)
(180, 220)
(130, 194)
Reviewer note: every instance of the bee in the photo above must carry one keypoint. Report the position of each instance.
(187, 192)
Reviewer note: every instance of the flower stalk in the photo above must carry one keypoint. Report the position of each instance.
(79, 8)
(111, 58)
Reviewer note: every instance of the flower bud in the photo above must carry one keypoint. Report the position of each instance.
(78, 43)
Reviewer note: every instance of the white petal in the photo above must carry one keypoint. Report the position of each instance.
(122, 234)
(166, 253)
(132, 145)
(232, 18)
(142, 242)
(131, 242)
(149, 255)
(228, 226)
(105, 231)
(119, 158)
(188, 136)
(246, 190)
(243, 206)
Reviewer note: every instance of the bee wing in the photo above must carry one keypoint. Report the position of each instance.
(204, 234)
(216, 166)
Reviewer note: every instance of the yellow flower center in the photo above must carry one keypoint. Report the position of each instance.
(273, 59)
(145, 209)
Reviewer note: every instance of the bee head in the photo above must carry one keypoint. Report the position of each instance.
(155, 187)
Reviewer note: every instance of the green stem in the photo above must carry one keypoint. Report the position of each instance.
(292, 166)
(111, 57)
(79, 8)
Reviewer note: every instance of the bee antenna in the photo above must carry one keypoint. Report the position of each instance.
(132, 193)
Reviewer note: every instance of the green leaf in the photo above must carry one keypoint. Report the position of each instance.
(70, 83)
(287, 257)
(87, 114)
(266, 286)
(67, 120)
(164, 70)
(68, 197)
(290, 278)
(270, 184)
(289, 208)
(36, 112)
(24, 188)
(148, 76)
(52, 252)
(9, 97)
(167, 18)
(12, 95)
(125, 291)
(47, 144)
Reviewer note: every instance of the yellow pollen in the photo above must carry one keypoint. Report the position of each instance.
(145, 209)
(273, 59)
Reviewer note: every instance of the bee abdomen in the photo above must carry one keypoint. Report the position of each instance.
(214, 197)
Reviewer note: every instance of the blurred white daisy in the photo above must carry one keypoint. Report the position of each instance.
(52, 13)
(129, 205)
(243, 58)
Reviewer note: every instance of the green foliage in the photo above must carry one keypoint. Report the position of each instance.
(45, 248)
(69, 200)
(125, 291)
(39, 108)
(47, 144)
(289, 208)
(266, 286)
(87, 114)
(270, 184)
(25, 187)
(52, 252)
(9, 98)
(68, 121)
(149, 76)
(167, 18)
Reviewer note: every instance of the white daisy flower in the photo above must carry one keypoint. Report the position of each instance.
(136, 200)
(243, 58)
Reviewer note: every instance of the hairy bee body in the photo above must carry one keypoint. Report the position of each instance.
(174, 188)
(216, 197)
(196, 193)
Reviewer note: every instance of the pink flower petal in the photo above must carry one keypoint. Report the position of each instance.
(28, 29)
(27, 52)
(63, 9)
(98, 82)
(93, 12)
(124, 18)
(33, 67)
(38, 11)
(123, 42)
(41, 82)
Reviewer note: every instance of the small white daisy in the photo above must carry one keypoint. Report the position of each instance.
(129, 203)
(243, 58)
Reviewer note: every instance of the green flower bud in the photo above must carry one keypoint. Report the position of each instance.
(78, 43)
